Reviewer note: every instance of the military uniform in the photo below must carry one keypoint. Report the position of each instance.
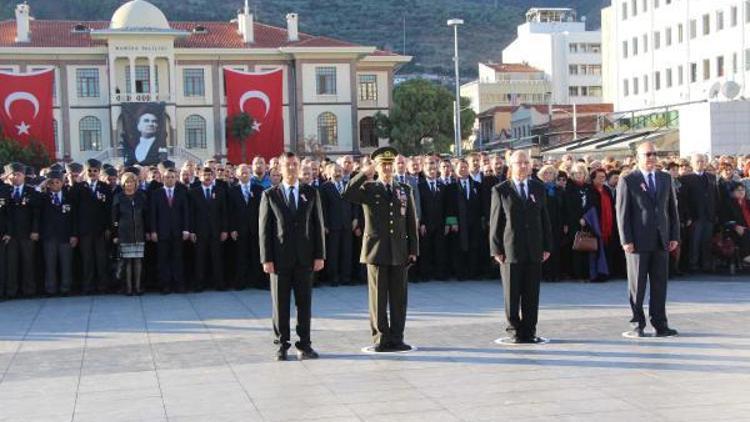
(390, 237)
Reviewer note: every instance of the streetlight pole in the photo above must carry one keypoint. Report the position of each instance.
(457, 105)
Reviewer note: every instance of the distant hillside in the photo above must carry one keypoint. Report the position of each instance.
(490, 24)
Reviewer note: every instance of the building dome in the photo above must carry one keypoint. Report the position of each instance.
(138, 14)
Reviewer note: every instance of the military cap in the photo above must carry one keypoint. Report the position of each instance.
(93, 163)
(54, 175)
(384, 155)
(30, 171)
(167, 164)
(110, 171)
(75, 167)
(57, 167)
(133, 169)
(15, 168)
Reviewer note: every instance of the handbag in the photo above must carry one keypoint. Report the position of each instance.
(585, 242)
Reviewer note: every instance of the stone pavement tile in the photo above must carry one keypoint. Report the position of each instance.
(144, 381)
(319, 398)
(420, 416)
(355, 397)
(176, 378)
(121, 406)
(707, 412)
(283, 414)
(498, 412)
(249, 416)
(374, 408)
(63, 417)
(206, 399)
(37, 405)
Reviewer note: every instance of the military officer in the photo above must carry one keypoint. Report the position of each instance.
(390, 244)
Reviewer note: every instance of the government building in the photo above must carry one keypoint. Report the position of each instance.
(331, 90)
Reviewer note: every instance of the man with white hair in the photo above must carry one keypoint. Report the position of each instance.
(701, 194)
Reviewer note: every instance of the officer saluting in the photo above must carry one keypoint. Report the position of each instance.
(389, 245)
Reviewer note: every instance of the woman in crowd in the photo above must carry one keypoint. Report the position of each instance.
(602, 199)
(129, 221)
(735, 216)
(556, 209)
(576, 197)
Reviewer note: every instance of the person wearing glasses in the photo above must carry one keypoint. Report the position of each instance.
(649, 226)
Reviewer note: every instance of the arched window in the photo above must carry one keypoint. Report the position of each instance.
(327, 129)
(367, 136)
(195, 132)
(90, 134)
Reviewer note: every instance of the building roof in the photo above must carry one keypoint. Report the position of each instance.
(497, 109)
(580, 108)
(62, 34)
(512, 67)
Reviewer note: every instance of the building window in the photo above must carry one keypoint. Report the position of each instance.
(747, 59)
(327, 129)
(635, 86)
(195, 132)
(706, 69)
(645, 5)
(668, 36)
(368, 138)
(573, 47)
(693, 28)
(626, 87)
(584, 92)
(625, 49)
(645, 43)
(680, 33)
(326, 80)
(573, 91)
(624, 10)
(594, 69)
(733, 16)
(656, 4)
(719, 20)
(142, 79)
(747, 11)
(734, 63)
(669, 78)
(87, 83)
(368, 88)
(90, 134)
(635, 46)
(657, 80)
(657, 40)
(595, 91)
(634, 7)
(194, 82)
(693, 72)
(720, 66)
(706, 24)
(680, 75)
(573, 69)
(645, 83)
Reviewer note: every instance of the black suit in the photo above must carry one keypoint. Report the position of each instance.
(93, 221)
(5, 192)
(520, 230)
(291, 237)
(58, 226)
(243, 219)
(169, 219)
(468, 209)
(701, 196)
(432, 243)
(208, 220)
(649, 220)
(23, 220)
(338, 214)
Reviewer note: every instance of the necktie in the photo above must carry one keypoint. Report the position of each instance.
(432, 186)
(651, 184)
(169, 197)
(523, 191)
(339, 187)
(466, 188)
(246, 193)
(292, 202)
(208, 193)
(17, 194)
(57, 199)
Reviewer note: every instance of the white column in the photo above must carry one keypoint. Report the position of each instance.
(152, 77)
(112, 77)
(131, 60)
(172, 79)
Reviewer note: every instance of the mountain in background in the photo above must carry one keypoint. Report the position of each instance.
(414, 27)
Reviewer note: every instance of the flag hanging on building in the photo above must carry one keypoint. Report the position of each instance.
(26, 108)
(260, 96)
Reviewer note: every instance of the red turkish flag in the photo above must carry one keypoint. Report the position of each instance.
(26, 108)
(260, 96)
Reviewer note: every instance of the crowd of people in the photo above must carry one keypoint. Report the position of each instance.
(95, 228)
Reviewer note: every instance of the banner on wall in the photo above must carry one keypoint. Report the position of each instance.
(144, 137)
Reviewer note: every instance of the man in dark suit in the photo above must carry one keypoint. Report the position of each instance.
(209, 227)
(520, 241)
(93, 200)
(701, 195)
(465, 204)
(292, 247)
(432, 228)
(23, 229)
(339, 215)
(59, 235)
(649, 225)
(5, 198)
(169, 223)
(244, 202)
(390, 245)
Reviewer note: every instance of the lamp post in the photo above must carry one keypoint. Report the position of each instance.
(456, 109)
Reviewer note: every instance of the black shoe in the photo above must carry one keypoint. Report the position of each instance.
(666, 332)
(307, 353)
(281, 354)
(400, 347)
(383, 347)
(166, 291)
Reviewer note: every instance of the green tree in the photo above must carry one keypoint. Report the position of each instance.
(241, 128)
(422, 118)
(34, 154)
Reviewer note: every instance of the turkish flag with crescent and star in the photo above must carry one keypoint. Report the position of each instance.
(26, 108)
(260, 96)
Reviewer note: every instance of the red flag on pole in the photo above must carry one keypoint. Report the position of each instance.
(260, 96)
(26, 107)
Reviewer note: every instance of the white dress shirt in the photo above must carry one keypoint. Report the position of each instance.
(286, 187)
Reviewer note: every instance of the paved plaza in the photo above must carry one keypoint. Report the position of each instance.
(208, 357)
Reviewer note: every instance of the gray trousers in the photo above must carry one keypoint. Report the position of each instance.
(57, 256)
(646, 268)
(388, 292)
(700, 256)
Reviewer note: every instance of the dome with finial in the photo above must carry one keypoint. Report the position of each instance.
(139, 14)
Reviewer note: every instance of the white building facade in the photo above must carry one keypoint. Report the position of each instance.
(331, 89)
(665, 52)
(502, 84)
(555, 41)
